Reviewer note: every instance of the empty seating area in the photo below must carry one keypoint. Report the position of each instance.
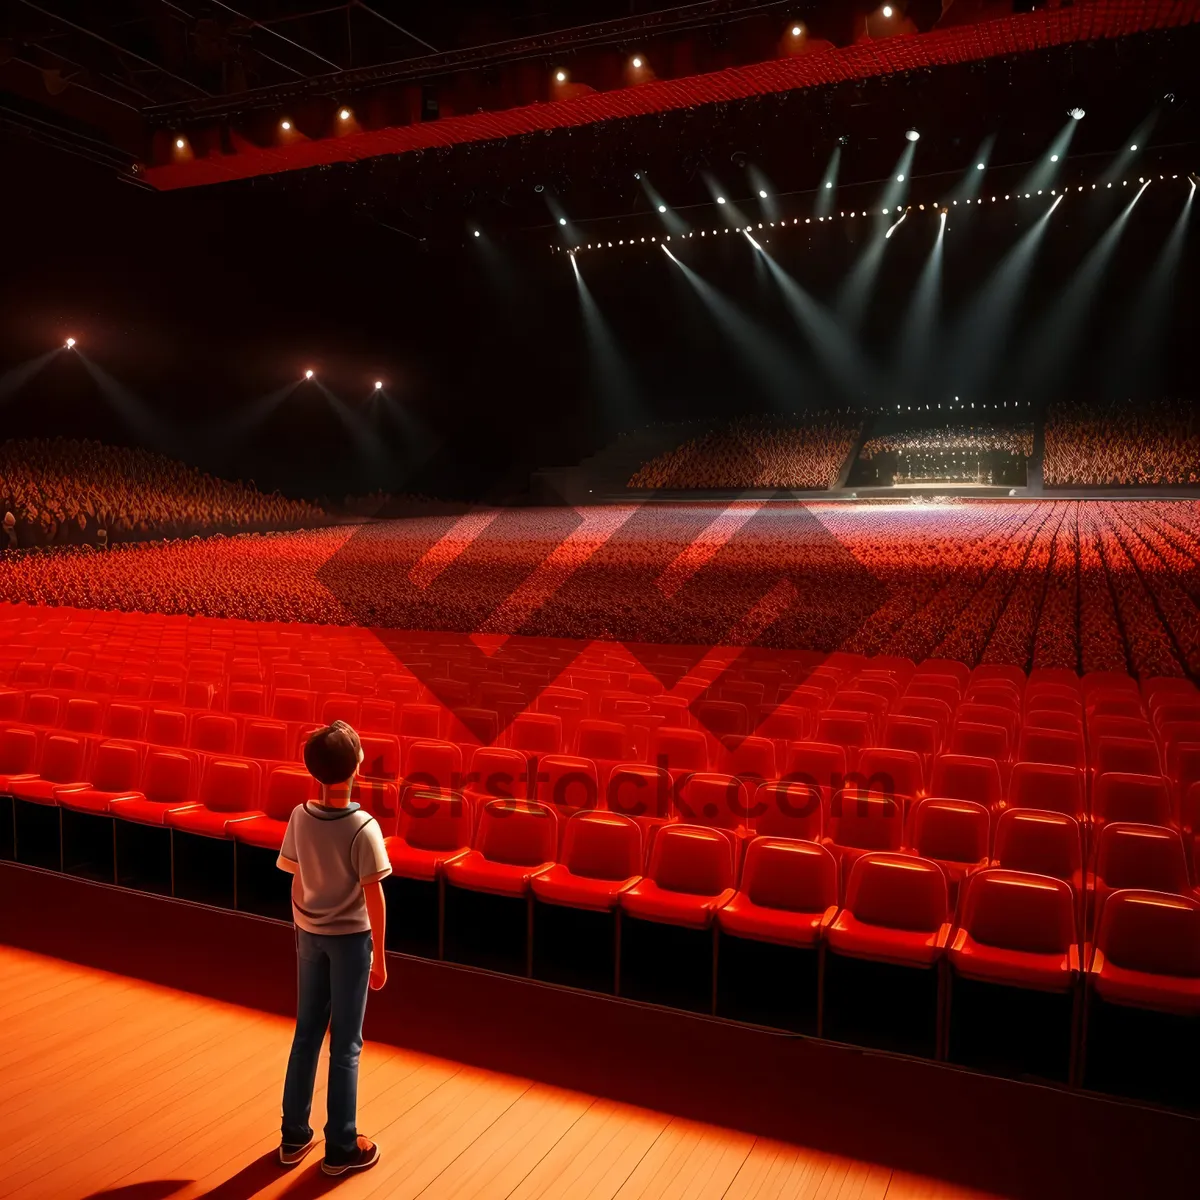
(809, 453)
(779, 837)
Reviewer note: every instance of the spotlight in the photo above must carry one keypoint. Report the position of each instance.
(344, 115)
(887, 10)
(379, 385)
(981, 166)
(797, 30)
(561, 76)
(308, 374)
(913, 135)
(562, 220)
(762, 195)
(1054, 158)
(829, 185)
(637, 64)
(70, 343)
(662, 208)
(179, 143)
(900, 177)
(1133, 147)
(285, 126)
(1077, 113)
(477, 233)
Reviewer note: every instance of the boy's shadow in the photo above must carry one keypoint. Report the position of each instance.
(307, 1184)
(151, 1189)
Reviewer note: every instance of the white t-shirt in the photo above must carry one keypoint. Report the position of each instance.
(336, 851)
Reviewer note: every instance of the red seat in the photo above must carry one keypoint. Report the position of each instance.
(536, 733)
(114, 773)
(1047, 786)
(948, 669)
(897, 910)
(497, 773)
(1145, 799)
(722, 718)
(1138, 856)
(41, 708)
(432, 829)
(955, 834)
(601, 860)
(638, 790)
(706, 798)
(980, 741)
(167, 688)
(421, 721)
(168, 782)
(515, 841)
(965, 777)
(265, 740)
(215, 733)
(376, 716)
(1062, 722)
(294, 704)
(1017, 930)
(1129, 756)
(167, 727)
(889, 772)
(248, 699)
(427, 763)
(1051, 746)
(817, 764)
(12, 704)
(83, 715)
(921, 735)
(788, 893)
(851, 730)
(749, 758)
(604, 741)
(1137, 728)
(782, 723)
(1147, 952)
(932, 688)
(679, 751)
(859, 824)
(60, 765)
(1040, 842)
(341, 707)
(230, 791)
(567, 784)
(286, 788)
(870, 704)
(690, 877)
(788, 810)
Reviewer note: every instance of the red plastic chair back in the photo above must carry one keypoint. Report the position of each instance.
(536, 733)
(956, 831)
(517, 832)
(602, 845)
(1144, 799)
(83, 715)
(1051, 746)
(898, 892)
(1151, 932)
(819, 764)
(62, 758)
(166, 727)
(1015, 911)
(287, 788)
(1047, 786)
(214, 733)
(568, 785)
(265, 740)
(1129, 756)
(679, 750)
(168, 776)
(421, 721)
(429, 764)
(1040, 842)
(231, 785)
(1141, 856)
(604, 740)
(692, 860)
(638, 790)
(789, 810)
(789, 875)
(964, 777)
(432, 820)
(116, 767)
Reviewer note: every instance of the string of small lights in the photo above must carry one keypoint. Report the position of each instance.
(941, 208)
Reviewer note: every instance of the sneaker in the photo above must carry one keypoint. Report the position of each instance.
(365, 1154)
(290, 1155)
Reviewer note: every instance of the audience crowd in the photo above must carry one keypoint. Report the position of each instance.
(982, 439)
(78, 492)
(753, 454)
(1077, 584)
(1122, 443)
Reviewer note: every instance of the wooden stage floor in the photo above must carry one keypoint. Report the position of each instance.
(117, 1088)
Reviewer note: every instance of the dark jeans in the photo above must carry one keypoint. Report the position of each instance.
(332, 973)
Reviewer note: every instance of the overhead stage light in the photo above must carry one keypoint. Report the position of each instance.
(379, 385)
(180, 143)
(308, 374)
(720, 199)
(562, 220)
(662, 208)
(761, 194)
(477, 233)
(70, 343)
(913, 135)
(637, 64)
(1133, 147)
(344, 115)
(981, 166)
(900, 177)
(1054, 158)
(887, 10)
(285, 126)
(1077, 113)
(561, 76)
(829, 184)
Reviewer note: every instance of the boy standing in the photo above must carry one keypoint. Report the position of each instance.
(335, 853)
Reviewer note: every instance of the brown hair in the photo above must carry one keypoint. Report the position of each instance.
(332, 754)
